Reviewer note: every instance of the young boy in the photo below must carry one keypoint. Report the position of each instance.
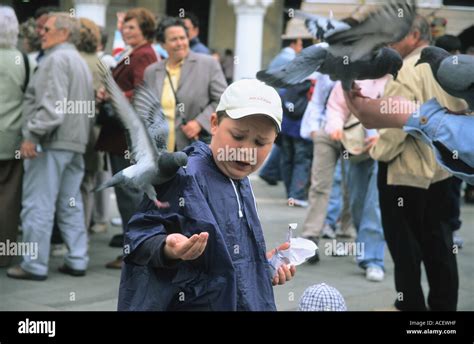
(206, 251)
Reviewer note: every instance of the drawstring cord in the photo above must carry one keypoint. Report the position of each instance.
(238, 200)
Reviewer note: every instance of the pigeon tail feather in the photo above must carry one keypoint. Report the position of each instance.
(116, 179)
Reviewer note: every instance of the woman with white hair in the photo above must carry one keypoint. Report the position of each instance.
(16, 71)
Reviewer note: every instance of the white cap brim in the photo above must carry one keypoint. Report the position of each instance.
(252, 111)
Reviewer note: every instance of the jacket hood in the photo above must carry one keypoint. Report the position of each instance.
(199, 148)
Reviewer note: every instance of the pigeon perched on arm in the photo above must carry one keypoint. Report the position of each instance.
(454, 73)
(148, 130)
(351, 53)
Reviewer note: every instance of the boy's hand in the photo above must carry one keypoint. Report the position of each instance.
(285, 272)
(178, 246)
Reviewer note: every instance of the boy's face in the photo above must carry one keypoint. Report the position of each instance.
(239, 147)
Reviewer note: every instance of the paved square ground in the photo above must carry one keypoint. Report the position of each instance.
(98, 290)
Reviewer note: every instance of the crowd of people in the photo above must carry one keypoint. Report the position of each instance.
(56, 63)
(399, 195)
(60, 140)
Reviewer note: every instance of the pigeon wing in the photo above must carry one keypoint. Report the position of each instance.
(308, 61)
(148, 107)
(320, 26)
(388, 24)
(143, 150)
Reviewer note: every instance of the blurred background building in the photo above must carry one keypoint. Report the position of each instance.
(252, 29)
(454, 17)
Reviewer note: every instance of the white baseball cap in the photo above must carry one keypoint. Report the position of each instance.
(248, 97)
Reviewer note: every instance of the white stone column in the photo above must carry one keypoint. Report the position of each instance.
(431, 3)
(248, 36)
(92, 9)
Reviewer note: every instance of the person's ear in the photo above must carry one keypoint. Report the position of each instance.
(64, 33)
(214, 123)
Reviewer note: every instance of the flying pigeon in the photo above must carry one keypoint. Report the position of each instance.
(317, 57)
(454, 73)
(320, 26)
(351, 53)
(148, 130)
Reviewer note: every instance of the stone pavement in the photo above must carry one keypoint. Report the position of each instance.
(98, 290)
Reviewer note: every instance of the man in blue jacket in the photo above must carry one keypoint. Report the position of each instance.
(192, 24)
(207, 251)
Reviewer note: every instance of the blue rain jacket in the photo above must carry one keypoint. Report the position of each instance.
(233, 273)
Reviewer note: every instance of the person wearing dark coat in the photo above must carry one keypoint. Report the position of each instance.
(207, 251)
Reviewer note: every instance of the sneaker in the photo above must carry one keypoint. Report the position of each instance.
(457, 239)
(58, 250)
(115, 264)
(293, 202)
(314, 259)
(18, 273)
(269, 181)
(99, 228)
(116, 221)
(116, 241)
(327, 232)
(374, 274)
(348, 232)
(70, 271)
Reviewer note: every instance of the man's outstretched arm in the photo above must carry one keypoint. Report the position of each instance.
(448, 133)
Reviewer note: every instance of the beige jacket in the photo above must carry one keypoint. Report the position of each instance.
(410, 161)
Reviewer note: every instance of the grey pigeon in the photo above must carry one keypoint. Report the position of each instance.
(320, 26)
(351, 53)
(317, 57)
(148, 130)
(454, 73)
(387, 24)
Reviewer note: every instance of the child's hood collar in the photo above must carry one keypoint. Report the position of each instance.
(198, 148)
(202, 149)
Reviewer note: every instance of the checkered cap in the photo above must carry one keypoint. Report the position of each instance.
(320, 298)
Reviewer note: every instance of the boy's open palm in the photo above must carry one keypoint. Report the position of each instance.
(179, 246)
